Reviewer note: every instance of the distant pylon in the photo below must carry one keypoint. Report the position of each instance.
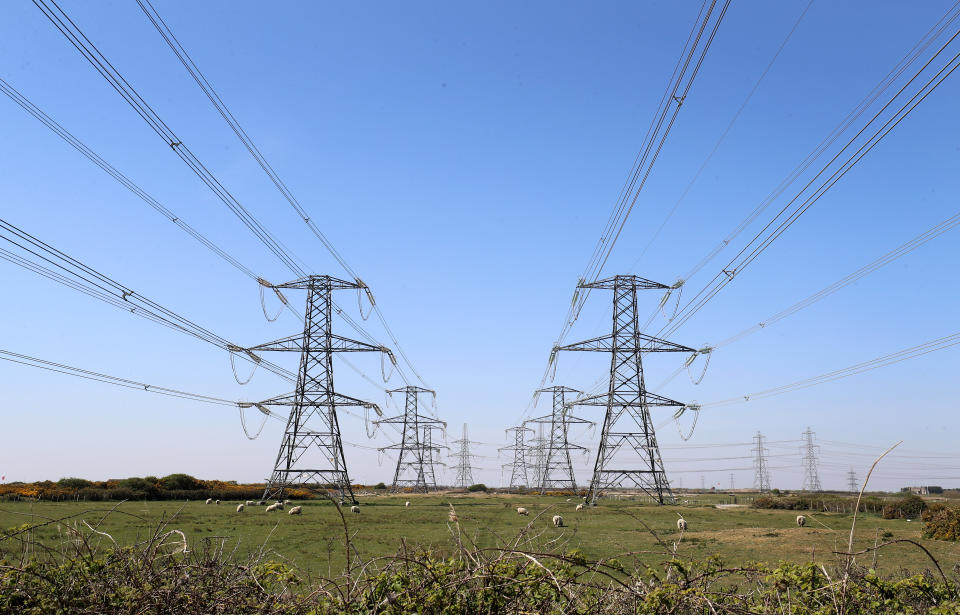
(537, 448)
(811, 476)
(761, 473)
(627, 424)
(518, 467)
(556, 469)
(414, 462)
(464, 467)
(311, 453)
(731, 482)
(852, 483)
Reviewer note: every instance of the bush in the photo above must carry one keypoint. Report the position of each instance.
(180, 482)
(906, 507)
(380, 485)
(74, 483)
(941, 522)
(477, 487)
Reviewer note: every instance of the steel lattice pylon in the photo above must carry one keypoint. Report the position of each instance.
(627, 424)
(518, 467)
(811, 476)
(464, 467)
(414, 461)
(761, 473)
(555, 467)
(311, 452)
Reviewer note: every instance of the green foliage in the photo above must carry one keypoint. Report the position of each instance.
(380, 485)
(816, 502)
(74, 483)
(905, 507)
(477, 487)
(941, 522)
(182, 482)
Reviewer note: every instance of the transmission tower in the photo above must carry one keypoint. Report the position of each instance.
(464, 467)
(852, 482)
(627, 424)
(811, 477)
(311, 452)
(556, 468)
(518, 467)
(731, 482)
(761, 473)
(414, 462)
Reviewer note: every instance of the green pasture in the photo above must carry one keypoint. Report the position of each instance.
(314, 541)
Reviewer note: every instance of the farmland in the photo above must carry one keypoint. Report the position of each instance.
(313, 542)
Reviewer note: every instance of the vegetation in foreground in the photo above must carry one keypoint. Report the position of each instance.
(89, 572)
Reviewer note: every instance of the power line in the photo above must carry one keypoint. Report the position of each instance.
(793, 210)
(912, 352)
(171, 40)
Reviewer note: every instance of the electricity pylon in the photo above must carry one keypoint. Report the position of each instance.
(761, 473)
(414, 468)
(811, 476)
(431, 452)
(311, 452)
(518, 467)
(852, 481)
(556, 469)
(464, 467)
(627, 423)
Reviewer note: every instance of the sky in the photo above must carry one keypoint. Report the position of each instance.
(464, 159)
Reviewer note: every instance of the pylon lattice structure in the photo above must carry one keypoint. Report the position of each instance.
(811, 476)
(761, 472)
(627, 424)
(555, 467)
(852, 483)
(537, 448)
(518, 467)
(414, 462)
(431, 452)
(464, 467)
(311, 452)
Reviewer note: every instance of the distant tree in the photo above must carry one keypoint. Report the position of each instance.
(74, 483)
(182, 482)
(380, 485)
(477, 487)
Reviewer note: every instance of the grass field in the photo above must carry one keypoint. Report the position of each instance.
(313, 541)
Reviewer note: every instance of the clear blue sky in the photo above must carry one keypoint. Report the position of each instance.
(464, 159)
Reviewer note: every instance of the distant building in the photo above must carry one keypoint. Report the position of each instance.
(924, 490)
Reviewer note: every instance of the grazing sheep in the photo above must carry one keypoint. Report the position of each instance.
(407, 504)
(209, 501)
(355, 509)
(217, 502)
(239, 507)
(273, 507)
(682, 524)
(557, 521)
(248, 503)
(801, 520)
(296, 510)
(523, 512)
(580, 506)
(286, 502)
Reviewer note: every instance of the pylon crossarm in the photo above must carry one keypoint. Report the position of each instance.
(602, 399)
(634, 281)
(644, 343)
(321, 281)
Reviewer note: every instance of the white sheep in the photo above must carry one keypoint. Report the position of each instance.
(286, 502)
(209, 501)
(248, 503)
(355, 509)
(557, 521)
(273, 507)
(580, 506)
(407, 504)
(239, 507)
(217, 502)
(523, 512)
(801, 520)
(682, 524)
(296, 510)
